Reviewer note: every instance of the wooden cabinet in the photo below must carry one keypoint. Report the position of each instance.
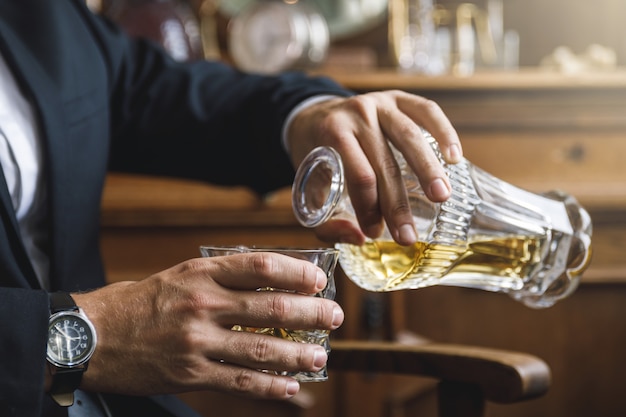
(537, 130)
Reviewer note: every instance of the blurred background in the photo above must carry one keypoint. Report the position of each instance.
(536, 90)
(360, 29)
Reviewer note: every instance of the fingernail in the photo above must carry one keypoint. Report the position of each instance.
(438, 189)
(407, 234)
(320, 358)
(293, 387)
(454, 152)
(337, 317)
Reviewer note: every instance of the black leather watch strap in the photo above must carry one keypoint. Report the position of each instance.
(64, 381)
(61, 301)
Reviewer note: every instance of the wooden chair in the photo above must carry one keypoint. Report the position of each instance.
(468, 376)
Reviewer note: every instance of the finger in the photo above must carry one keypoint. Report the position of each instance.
(431, 117)
(404, 131)
(283, 309)
(252, 383)
(367, 162)
(377, 192)
(393, 199)
(418, 153)
(362, 185)
(262, 351)
(266, 269)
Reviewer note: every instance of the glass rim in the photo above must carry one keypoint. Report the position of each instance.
(269, 248)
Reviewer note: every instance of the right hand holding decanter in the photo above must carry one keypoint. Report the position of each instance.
(171, 332)
(359, 128)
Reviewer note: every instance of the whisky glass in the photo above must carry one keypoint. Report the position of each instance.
(325, 259)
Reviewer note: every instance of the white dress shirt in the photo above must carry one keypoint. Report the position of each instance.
(22, 164)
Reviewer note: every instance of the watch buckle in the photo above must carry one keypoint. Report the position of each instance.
(64, 400)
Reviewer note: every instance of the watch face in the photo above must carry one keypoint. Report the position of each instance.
(71, 339)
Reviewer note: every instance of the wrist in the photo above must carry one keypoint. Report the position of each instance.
(297, 110)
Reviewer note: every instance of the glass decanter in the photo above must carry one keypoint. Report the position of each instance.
(488, 235)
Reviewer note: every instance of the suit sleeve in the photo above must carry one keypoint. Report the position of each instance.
(204, 120)
(23, 327)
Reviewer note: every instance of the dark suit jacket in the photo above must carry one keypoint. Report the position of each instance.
(106, 102)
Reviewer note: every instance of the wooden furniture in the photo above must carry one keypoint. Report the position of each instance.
(536, 130)
(461, 380)
(469, 376)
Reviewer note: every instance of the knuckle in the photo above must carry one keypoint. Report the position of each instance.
(396, 92)
(407, 131)
(429, 105)
(263, 264)
(261, 350)
(243, 380)
(187, 341)
(191, 267)
(194, 302)
(361, 103)
(390, 166)
(400, 208)
(323, 316)
(302, 357)
(280, 306)
(307, 275)
(364, 179)
(193, 263)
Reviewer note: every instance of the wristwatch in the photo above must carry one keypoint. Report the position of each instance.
(71, 343)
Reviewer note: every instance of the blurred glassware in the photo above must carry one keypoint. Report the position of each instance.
(345, 18)
(412, 35)
(170, 23)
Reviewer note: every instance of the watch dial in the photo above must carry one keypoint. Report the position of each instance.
(71, 339)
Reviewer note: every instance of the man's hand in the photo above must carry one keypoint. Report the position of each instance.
(172, 331)
(359, 128)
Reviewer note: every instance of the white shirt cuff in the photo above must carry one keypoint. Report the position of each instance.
(294, 112)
